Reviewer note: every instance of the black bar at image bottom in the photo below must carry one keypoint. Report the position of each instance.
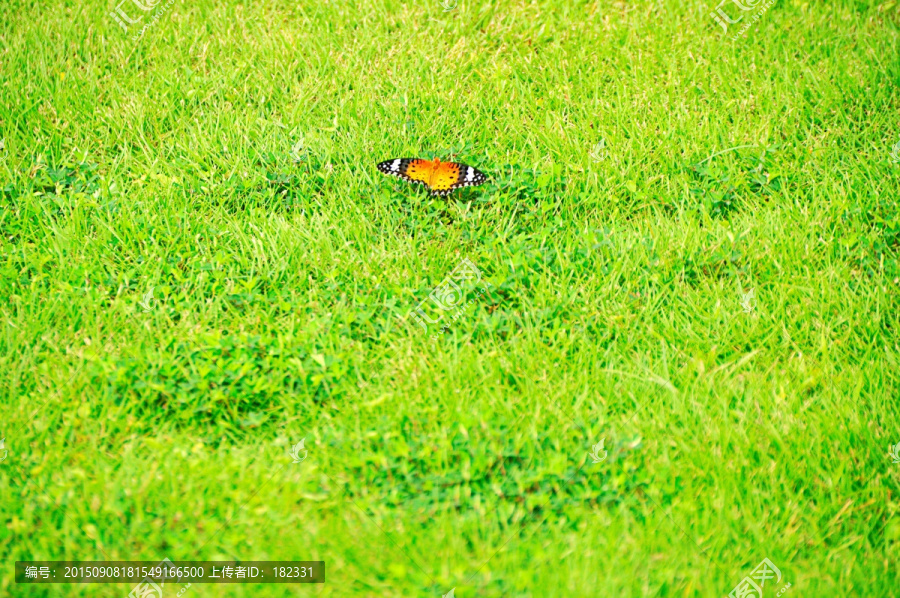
(158, 573)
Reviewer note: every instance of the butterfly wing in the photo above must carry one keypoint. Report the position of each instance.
(412, 170)
(441, 180)
(453, 175)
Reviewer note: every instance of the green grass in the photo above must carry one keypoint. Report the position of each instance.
(281, 290)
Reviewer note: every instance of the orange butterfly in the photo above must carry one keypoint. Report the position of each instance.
(440, 177)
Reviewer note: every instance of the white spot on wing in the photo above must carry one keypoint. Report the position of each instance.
(395, 165)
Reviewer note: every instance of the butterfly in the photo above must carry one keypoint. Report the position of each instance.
(440, 177)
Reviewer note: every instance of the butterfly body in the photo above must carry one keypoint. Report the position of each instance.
(440, 177)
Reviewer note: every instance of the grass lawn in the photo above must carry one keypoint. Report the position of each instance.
(688, 250)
